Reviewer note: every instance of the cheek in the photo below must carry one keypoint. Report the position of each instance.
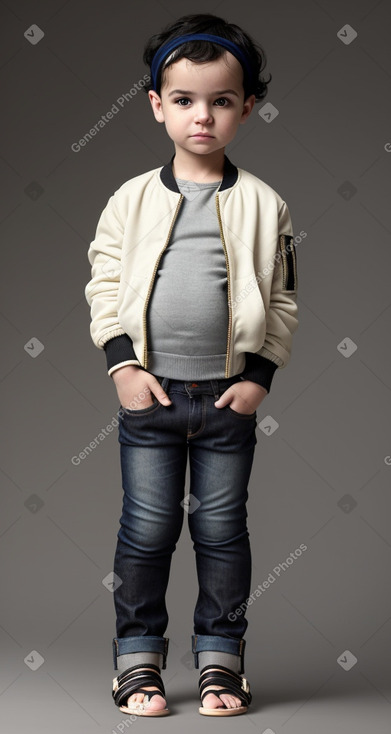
(230, 125)
(174, 121)
(229, 121)
(171, 124)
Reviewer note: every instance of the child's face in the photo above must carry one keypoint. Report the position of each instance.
(203, 103)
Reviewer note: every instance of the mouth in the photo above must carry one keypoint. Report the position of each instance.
(202, 135)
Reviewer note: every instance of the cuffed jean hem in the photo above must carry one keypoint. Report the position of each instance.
(199, 643)
(145, 643)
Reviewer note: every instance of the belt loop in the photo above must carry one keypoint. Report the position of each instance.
(165, 383)
(215, 388)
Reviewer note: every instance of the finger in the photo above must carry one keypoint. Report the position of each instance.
(163, 397)
(225, 398)
(159, 393)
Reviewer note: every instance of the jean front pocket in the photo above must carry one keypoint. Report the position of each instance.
(241, 415)
(224, 385)
(129, 412)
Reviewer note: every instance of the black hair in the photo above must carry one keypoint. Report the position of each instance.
(202, 51)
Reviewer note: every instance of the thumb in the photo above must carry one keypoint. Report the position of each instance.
(160, 394)
(222, 401)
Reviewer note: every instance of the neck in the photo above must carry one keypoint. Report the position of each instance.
(198, 168)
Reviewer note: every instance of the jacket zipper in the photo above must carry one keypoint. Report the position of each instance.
(145, 361)
(228, 289)
(284, 261)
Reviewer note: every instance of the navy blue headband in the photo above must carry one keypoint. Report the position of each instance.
(164, 51)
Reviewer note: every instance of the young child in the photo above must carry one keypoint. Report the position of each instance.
(193, 299)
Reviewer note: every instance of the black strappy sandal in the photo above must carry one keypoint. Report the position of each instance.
(235, 684)
(130, 681)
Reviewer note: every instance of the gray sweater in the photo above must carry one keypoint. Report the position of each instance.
(187, 317)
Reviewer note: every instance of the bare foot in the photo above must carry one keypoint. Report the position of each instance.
(154, 704)
(213, 701)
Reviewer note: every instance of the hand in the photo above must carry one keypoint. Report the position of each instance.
(244, 397)
(136, 386)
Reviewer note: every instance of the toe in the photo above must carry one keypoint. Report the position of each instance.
(211, 701)
(157, 703)
(227, 700)
(154, 704)
(134, 699)
(231, 702)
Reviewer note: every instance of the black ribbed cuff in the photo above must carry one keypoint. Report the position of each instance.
(259, 369)
(119, 349)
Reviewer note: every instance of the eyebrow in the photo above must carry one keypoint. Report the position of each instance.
(186, 91)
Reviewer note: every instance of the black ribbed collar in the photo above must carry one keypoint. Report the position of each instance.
(230, 175)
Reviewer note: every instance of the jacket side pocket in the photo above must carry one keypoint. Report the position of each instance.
(289, 263)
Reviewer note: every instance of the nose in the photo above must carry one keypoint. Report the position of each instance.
(202, 113)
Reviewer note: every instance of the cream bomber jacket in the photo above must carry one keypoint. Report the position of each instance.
(133, 231)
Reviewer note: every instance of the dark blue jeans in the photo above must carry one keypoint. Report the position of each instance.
(154, 443)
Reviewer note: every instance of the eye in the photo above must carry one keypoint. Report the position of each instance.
(182, 99)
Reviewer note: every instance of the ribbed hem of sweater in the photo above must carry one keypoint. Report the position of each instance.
(183, 367)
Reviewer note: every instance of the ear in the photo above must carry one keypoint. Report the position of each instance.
(248, 104)
(156, 103)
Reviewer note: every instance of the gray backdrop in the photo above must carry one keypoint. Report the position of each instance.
(318, 639)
